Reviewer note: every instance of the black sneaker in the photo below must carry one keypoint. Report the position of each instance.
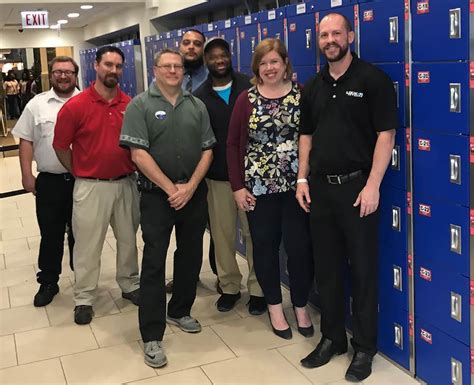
(45, 294)
(133, 296)
(226, 302)
(83, 314)
(257, 305)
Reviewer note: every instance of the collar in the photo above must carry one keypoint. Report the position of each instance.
(51, 95)
(156, 92)
(99, 99)
(352, 67)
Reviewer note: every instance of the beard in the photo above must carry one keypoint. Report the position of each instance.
(111, 81)
(342, 52)
(220, 75)
(61, 90)
(192, 65)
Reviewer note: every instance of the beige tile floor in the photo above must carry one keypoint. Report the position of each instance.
(43, 345)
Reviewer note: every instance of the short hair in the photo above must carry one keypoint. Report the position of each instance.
(108, 48)
(264, 47)
(158, 55)
(195, 31)
(347, 22)
(62, 59)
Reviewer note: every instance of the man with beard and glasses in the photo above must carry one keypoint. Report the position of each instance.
(219, 93)
(348, 122)
(105, 190)
(54, 184)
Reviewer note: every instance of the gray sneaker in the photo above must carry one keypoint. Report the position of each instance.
(187, 323)
(154, 354)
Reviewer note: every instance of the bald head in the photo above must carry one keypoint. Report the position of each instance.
(335, 37)
(334, 16)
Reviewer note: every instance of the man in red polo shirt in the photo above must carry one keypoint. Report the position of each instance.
(105, 190)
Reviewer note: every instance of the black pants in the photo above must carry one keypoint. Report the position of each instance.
(13, 106)
(53, 211)
(341, 236)
(278, 216)
(157, 221)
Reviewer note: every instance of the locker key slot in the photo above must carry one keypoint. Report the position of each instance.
(398, 335)
(455, 238)
(397, 277)
(456, 372)
(308, 38)
(396, 219)
(455, 97)
(456, 309)
(395, 163)
(455, 23)
(455, 167)
(393, 25)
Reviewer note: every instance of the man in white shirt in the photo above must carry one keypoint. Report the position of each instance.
(54, 184)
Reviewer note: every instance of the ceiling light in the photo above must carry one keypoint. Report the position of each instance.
(54, 26)
(86, 6)
(72, 15)
(62, 21)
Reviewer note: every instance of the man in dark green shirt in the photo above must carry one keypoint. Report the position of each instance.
(170, 138)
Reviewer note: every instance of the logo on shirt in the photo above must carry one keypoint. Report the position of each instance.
(160, 115)
(355, 94)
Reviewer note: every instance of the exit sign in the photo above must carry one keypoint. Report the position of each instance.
(35, 19)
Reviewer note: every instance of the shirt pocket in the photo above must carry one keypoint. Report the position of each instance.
(46, 128)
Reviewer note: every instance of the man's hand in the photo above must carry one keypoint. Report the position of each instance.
(29, 183)
(245, 201)
(368, 199)
(302, 196)
(181, 197)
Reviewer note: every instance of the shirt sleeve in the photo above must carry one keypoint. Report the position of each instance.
(208, 138)
(65, 128)
(307, 120)
(24, 127)
(134, 129)
(383, 103)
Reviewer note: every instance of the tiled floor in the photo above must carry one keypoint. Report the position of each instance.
(43, 345)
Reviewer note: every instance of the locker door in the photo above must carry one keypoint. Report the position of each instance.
(392, 230)
(393, 279)
(441, 97)
(393, 338)
(210, 30)
(228, 31)
(333, 4)
(302, 74)
(248, 39)
(396, 71)
(441, 166)
(396, 174)
(382, 31)
(273, 24)
(302, 39)
(448, 24)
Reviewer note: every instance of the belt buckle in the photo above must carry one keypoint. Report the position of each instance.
(334, 179)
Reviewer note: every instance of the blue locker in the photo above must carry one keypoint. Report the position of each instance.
(382, 31)
(393, 335)
(302, 39)
(445, 22)
(443, 298)
(273, 24)
(210, 30)
(396, 71)
(396, 174)
(441, 97)
(228, 31)
(393, 279)
(333, 4)
(440, 359)
(448, 155)
(393, 219)
(441, 234)
(149, 58)
(302, 74)
(247, 71)
(248, 38)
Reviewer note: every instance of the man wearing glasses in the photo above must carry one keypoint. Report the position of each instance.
(105, 190)
(170, 138)
(54, 184)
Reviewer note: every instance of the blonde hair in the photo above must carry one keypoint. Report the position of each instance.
(264, 47)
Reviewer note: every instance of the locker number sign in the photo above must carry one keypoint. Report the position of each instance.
(422, 7)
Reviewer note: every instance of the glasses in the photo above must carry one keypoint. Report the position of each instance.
(169, 67)
(59, 73)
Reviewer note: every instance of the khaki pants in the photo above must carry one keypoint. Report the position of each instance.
(96, 205)
(223, 219)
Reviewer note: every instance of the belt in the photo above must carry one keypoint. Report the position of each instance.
(343, 178)
(66, 176)
(107, 179)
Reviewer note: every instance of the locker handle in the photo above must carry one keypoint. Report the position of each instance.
(308, 38)
(455, 238)
(278, 36)
(397, 277)
(455, 23)
(396, 85)
(393, 25)
(455, 97)
(232, 47)
(455, 167)
(253, 44)
(396, 218)
(456, 372)
(456, 309)
(395, 164)
(398, 335)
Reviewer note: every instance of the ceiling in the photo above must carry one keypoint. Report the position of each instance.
(10, 16)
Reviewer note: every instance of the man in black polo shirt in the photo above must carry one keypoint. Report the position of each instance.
(348, 122)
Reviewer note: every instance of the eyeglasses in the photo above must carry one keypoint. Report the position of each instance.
(169, 67)
(59, 73)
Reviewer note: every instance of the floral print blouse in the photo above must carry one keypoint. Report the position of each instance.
(271, 160)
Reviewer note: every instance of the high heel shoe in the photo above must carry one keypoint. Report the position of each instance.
(304, 331)
(287, 334)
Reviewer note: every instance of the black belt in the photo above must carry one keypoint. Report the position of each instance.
(107, 179)
(66, 176)
(343, 178)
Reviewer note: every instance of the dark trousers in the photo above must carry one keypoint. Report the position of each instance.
(341, 236)
(157, 221)
(13, 106)
(53, 211)
(276, 217)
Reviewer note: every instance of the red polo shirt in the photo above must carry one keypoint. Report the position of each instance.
(92, 126)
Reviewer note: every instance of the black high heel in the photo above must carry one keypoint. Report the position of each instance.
(286, 334)
(304, 331)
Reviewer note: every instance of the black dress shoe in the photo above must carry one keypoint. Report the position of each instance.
(286, 334)
(133, 296)
(83, 314)
(45, 294)
(304, 331)
(257, 305)
(360, 367)
(322, 354)
(226, 302)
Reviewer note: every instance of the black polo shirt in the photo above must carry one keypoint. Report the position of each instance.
(344, 116)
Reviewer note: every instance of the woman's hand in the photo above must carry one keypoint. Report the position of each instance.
(245, 201)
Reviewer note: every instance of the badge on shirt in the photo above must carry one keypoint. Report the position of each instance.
(160, 115)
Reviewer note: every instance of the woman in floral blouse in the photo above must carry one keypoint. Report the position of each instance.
(262, 155)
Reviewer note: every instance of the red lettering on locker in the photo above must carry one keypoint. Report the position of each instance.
(423, 77)
(292, 27)
(424, 210)
(368, 15)
(426, 336)
(424, 144)
(422, 7)
(425, 274)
